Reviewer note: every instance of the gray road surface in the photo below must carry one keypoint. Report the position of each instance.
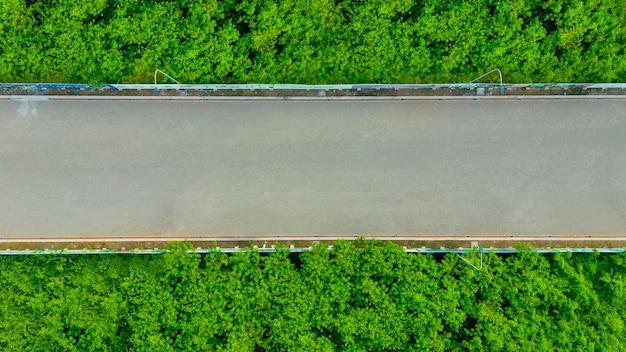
(80, 168)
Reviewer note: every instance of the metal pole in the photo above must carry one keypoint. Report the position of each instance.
(156, 89)
(499, 73)
(165, 74)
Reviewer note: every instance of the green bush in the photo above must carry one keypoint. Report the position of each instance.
(356, 297)
(312, 41)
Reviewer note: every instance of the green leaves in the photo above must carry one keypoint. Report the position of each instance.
(316, 42)
(364, 295)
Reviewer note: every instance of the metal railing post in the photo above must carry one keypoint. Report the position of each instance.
(164, 74)
(499, 72)
(156, 89)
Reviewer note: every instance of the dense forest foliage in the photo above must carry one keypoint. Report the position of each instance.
(364, 296)
(312, 41)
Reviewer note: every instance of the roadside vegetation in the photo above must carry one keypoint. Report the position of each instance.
(363, 296)
(312, 41)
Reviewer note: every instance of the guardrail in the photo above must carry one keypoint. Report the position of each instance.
(499, 244)
(44, 86)
(303, 249)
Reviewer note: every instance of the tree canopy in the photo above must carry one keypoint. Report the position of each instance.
(364, 296)
(312, 41)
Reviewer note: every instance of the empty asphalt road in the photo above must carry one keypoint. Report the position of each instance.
(116, 168)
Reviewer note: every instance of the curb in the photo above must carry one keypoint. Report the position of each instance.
(417, 243)
(311, 99)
